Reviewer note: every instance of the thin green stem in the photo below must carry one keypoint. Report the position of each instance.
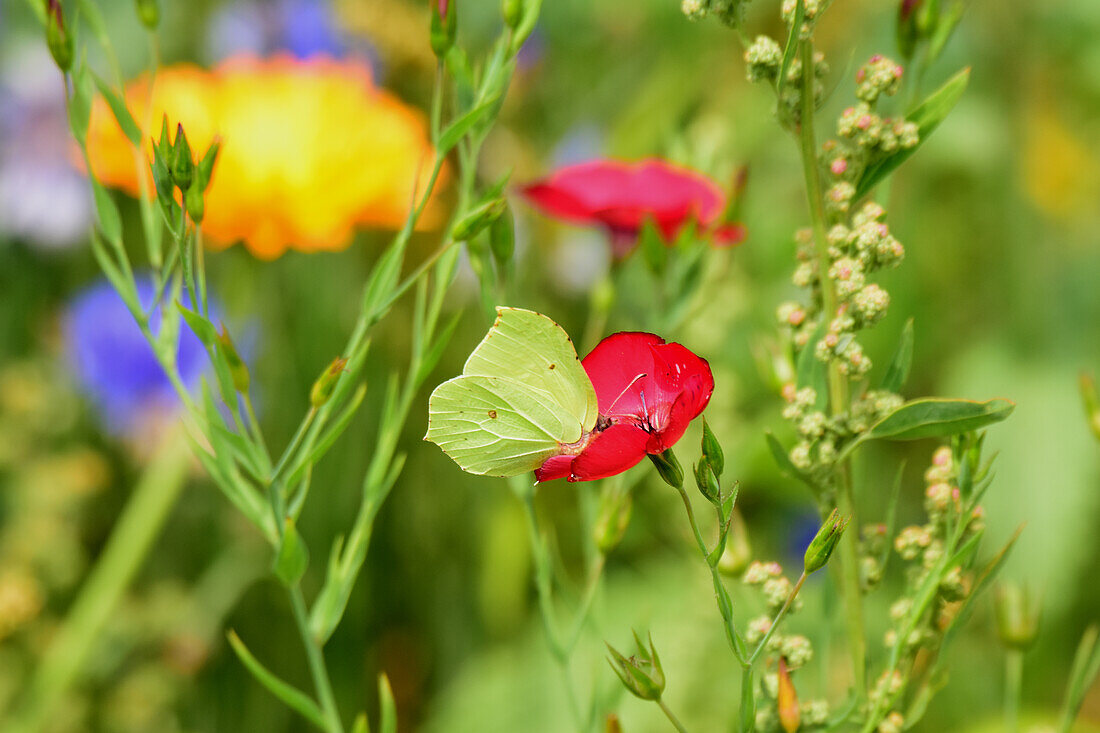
(316, 660)
(778, 618)
(137, 528)
(838, 384)
(1014, 679)
(671, 716)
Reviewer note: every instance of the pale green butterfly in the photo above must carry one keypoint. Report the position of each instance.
(523, 394)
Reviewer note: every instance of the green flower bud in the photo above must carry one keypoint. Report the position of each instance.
(513, 12)
(237, 368)
(502, 237)
(641, 673)
(58, 39)
(149, 13)
(669, 468)
(326, 383)
(182, 165)
(822, 545)
(708, 485)
(613, 519)
(477, 219)
(192, 200)
(444, 26)
(205, 168)
(1017, 616)
(712, 451)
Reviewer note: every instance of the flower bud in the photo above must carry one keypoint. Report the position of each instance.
(613, 519)
(708, 485)
(149, 13)
(205, 168)
(907, 31)
(513, 12)
(238, 370)
(790, 716)
(502, 237)
(193, 202)
(182, 165)
(823, 544)
(326, 383)
(477, 219)
(669, 468)
(444, 26)
(1017, 616)
(611, 725)
(712, 451)
(738, 552)
(58, 39)
(640, 673)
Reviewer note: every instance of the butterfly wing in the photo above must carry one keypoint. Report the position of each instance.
(523, 393)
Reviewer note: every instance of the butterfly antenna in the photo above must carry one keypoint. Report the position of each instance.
(627, 389)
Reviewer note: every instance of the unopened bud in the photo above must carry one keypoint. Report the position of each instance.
(58, 39)
(669, 468)
(476, 220)
(708, 485)
(786, 698)
(444, 26)
(611, 725)
(326, 383)
(238, 370)
(1017, 616)
(182, 165)
(513, 12)
(502, 237)
(712, 451)
(614, 518)
(149, 13)
(823, 544)
(205, 168)
(193, 201)
(640, 673)
(738, 552)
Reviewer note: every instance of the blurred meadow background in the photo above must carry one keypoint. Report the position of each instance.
(1000, 215)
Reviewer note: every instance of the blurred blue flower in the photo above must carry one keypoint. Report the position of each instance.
(114, 364)
(302, 28)
(44, 199)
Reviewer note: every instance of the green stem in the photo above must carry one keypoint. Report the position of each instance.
(838, 385)
(778, 617)
(748, 700)
(316, 659)
(137, 528)
(1014, 678)
(671, 717)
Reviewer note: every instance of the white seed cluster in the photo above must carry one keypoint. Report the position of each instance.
(763, 58)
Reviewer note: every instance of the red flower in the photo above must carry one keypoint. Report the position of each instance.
(623, 196)
(648, 391)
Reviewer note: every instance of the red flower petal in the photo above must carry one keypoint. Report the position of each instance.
(616, 449)
(618, 367)
(555, 467)
(622, 196)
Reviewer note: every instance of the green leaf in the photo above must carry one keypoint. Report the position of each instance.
(203, 328)
(387, 707)
(1086, 666)
(118, 107)
(892, 516)
(791, 48)
(360, 725)
(946, 26)
(90, 11)
(898, 371)
(937, 418)
(653, 249)
(123, 284)
(292, 559)
(383, 279)
(318, 451)
(458, 128)
(292, 697)
(80, 105)
(435, 351)
(927, 117)
(106, 211)
(813, 372)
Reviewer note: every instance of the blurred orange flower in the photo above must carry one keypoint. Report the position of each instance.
(310, 149)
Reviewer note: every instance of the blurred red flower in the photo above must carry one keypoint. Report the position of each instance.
(622, 196)
(648, 391)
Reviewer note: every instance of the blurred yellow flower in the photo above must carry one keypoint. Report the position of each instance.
(310, 149)
(1057, 168)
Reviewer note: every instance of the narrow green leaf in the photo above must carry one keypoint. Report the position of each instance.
(813, 372)
(292, 559)
(80, 105)
(791, 48)
(122, 284)
(1081, 675)
(653, 249)
(937, 418)
(202, 327)
(944, 29)
(106, 211)
(360, 725)
(387, 708)
(892, 516)
(458, 128)
(927, 117)
(898, 371)
(118, 107)
(94, 18)
(435, 351)
(292, 697)
(322, 446)
(984, 579)
(383, 279)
